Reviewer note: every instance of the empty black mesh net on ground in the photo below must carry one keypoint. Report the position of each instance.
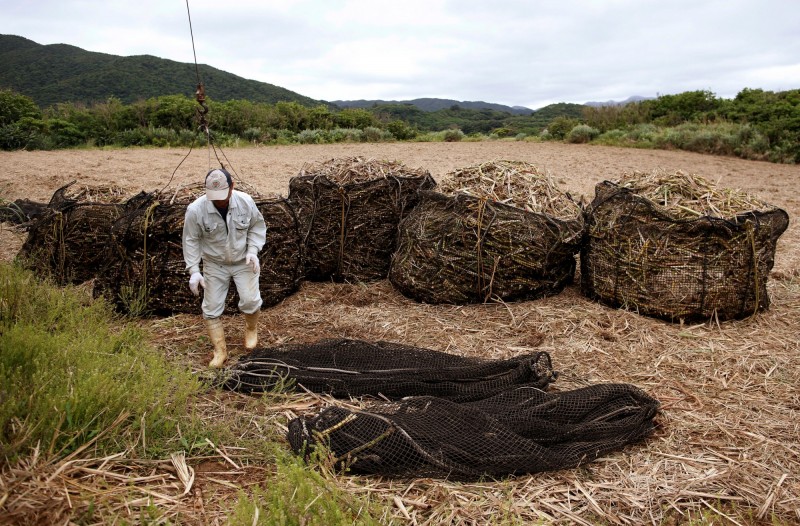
(433, 414)
(345, 368)
(348, 210)
(521, 430)
(682, 256)
(146, 271)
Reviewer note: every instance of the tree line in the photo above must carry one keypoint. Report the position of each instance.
(756, 124)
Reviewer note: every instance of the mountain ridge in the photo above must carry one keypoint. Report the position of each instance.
(60, 73)
(435, 104)
(55, 73)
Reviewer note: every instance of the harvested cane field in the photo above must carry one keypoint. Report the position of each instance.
(726, 449)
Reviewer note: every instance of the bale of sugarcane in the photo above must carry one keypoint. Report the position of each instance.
(679, 247)
(349, 209)
(146, 270)
(67, 239)
(500, 229)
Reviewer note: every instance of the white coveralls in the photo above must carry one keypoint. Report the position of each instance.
(222, 244)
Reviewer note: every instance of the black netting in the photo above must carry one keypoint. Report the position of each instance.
(345, 368)
(21, 211)
(521, 430)
(145, 267)
(461, 249)
(640, 257)
(66, 242)
(349, 231)
(441, 415)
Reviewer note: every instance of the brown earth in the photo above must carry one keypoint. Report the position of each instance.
(726, 450)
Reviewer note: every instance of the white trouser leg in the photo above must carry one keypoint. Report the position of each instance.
(247, 286)
(218, 278)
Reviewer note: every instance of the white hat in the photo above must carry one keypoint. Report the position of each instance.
(217, 183)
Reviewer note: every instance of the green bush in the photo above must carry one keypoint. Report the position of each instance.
(372, 134)
(14, 106)
(559, 127)
(313, 137)
(613, 138)
(582, 133)
(453, 135)
(132, 137)
(643, 133)
(346, 135)
(400, 130)
(252, 135)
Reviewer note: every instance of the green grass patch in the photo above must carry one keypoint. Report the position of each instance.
(72, 372)
(299, 495)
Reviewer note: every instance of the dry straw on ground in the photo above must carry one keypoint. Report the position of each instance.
(726, 451)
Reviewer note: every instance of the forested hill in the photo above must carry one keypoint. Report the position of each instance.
(431, 104)
(62, 73)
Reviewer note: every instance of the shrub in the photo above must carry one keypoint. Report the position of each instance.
(26, 133)
(346, 135)
(503, 132)
(285, 136)
(312, 137)
(372, 134)
(612, 137)
(132, 137)
(559, 127)
(643, 132)
(582, 133)
(400, 130)
(520, 136)
(453, 135)
(252, 135)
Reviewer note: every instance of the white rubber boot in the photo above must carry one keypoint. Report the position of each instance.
(216, 333)
(251, 330)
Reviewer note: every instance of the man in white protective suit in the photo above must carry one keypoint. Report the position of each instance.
(225, 230)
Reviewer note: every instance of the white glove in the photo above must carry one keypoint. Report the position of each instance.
(252, 260)
(196, 281)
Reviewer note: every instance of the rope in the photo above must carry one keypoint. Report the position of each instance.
(203, 126)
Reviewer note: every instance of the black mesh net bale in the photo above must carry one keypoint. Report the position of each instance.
(500, 229)
(518, 431)
(146, 272)
(676, 246)
(350, 368)
(349, 209)
(68, 239)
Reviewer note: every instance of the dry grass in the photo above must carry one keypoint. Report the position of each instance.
(354, 170)
(689, 196)
(726, 451)
(515, 183)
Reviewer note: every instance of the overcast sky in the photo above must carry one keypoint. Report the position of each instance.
(515, 52)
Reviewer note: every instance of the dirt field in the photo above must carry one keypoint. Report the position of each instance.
(727, 448)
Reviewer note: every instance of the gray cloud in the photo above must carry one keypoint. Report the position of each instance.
(510, 52)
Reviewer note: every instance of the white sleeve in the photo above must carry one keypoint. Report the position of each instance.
(191, 241)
